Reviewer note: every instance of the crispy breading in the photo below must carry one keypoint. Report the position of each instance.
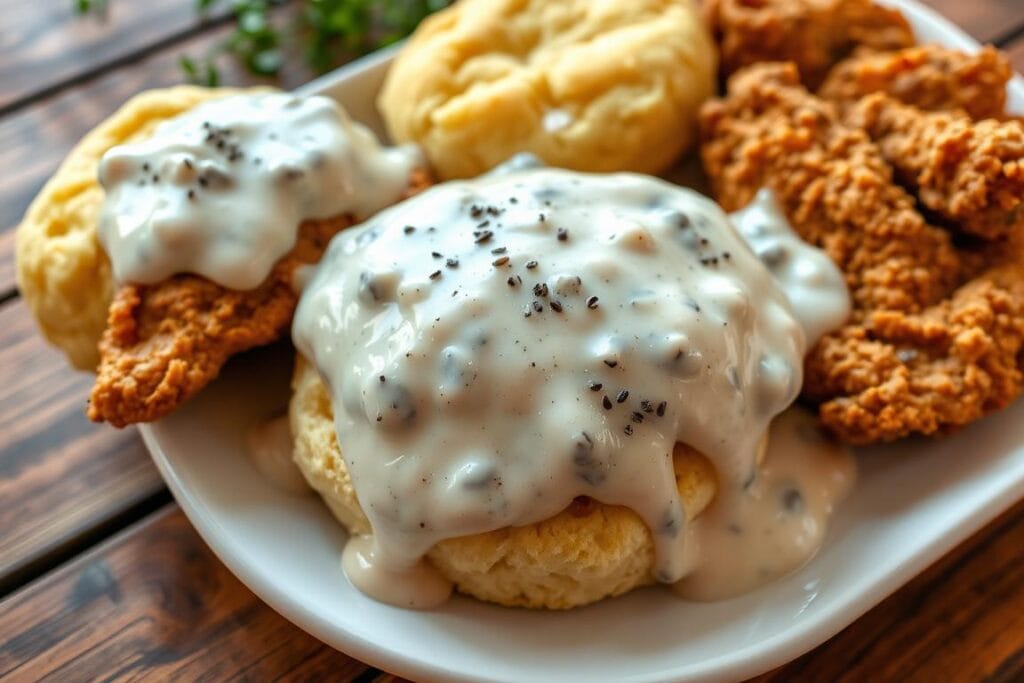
(930, 77)
(898, 374)
(923, 352)
(968, 172)
(165, 342)
(814, 34)
(833, 184)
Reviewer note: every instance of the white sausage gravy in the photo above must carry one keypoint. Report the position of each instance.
(220, 190)
(498, 347)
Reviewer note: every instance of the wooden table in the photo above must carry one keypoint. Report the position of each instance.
(101, 575)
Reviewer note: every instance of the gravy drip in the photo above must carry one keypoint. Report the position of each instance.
(220, 190)
(754, 533)
(269, 444)
(497, 347)
(813, 284)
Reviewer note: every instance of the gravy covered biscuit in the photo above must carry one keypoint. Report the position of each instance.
(538, 379)
(63, 272)
(596, 86)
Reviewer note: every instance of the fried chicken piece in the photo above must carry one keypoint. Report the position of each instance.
(165, 342)
(969, 172)
(833, 183)
(919, 355)
(898, 374)
(930, 77)
(814, 34)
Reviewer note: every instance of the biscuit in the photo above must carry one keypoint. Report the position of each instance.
(585, 553)
(593, 86)
(63, 272)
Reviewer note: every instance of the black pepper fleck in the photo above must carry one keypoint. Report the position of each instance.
(500, 261)
(607, 403)
(556, 305)
(592, 302)
(611, 363)
(595, 386)
(436, 274)
(628, 430)
(660, 412)
(621, 396)
(531, 265)
(563, 234)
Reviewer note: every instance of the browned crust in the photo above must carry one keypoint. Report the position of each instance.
(165, 342)
(969, 172)
(929, 77)
(814, 34)
(923, 353)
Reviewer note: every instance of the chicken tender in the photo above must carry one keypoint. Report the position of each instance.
(833, 184)
(814, 34)
(968, 172)
(930, 77)
(898, 374)
(923, 352)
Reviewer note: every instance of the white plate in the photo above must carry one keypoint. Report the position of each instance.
(915, 501)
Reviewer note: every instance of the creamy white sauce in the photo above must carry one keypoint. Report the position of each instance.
(811, 281)
(220, 190)
(773, 524)
(498, 347)
(269, 444)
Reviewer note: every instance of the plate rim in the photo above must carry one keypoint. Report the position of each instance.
(764, 655)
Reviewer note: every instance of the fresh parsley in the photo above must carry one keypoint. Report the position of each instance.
(325, 32)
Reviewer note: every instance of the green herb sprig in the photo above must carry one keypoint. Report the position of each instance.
(325, 32)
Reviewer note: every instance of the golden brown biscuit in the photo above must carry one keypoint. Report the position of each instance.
(595, 86)
(585, 553)
(63, 272)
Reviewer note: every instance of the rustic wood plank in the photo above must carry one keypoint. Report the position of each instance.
(61, 476)
(1016, 52)
(47, 43)
(986, 20)
(961, 620)
(36, 138)
(155, 604)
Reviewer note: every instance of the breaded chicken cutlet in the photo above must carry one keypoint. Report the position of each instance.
(929, 77)
(814, 34)
(968, 172)
(932, 343)
(165, 342)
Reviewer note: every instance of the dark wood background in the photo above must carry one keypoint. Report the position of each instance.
(101, 575)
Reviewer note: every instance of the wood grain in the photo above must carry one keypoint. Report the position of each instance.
(1016, 52)
(47, 43)
(962, 619)
(159, 606)
(61, 476)
(155, 604)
